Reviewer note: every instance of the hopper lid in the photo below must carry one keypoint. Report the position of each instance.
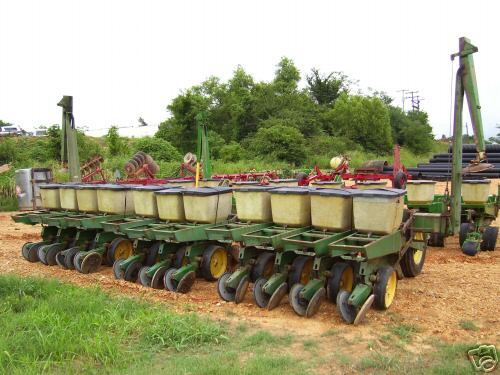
(333, 192)
(49, 186)
(421, 182)
(70, 185)
(87, 186)
(255, 188)
(170, 191)
(149, 187)
(114, 187)
(382, 193)
(204, 191)
(292, 190)
(476, 181)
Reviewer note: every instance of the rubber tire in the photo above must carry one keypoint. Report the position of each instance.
(346, 311)
(225, 294)
(469, 248)
(33, 253)
(333, 287)
(132, 272)
(465, 228)
(400, 180)
(168, 281)
(408, 265)
(436, 240)
(78, 259)
(489, 238)
(144, 279)
(205, 263)
(52, 253)
(152, 254)
(117, 271)
(70, 256)
(298, 265)
(299, 305)
(260, 298)
(25, 249)
(42, 254)
(383, 275)
(260, 266)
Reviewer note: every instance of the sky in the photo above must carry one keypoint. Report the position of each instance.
(123, 59)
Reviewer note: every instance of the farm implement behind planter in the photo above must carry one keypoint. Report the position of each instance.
(372, 170)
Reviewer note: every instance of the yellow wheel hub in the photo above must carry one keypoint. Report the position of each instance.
(417, 256)
(390, 289)
(123, 250)
(306, 271)
(218, 263)
(347, 279)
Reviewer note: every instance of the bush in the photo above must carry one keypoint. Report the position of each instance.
(231, 152)
(8, 150)
(114, 142)
(280, 142)
(158, 148)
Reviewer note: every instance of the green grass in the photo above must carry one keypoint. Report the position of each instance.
(468, 325)
(47, 324)
(404, 331)
(8, 204)
(51, 327)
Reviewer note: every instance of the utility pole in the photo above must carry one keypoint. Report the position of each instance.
(415, 100)
(403, 91)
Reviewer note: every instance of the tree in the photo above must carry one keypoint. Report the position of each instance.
(142, 122)
(411, 130)
(159, 149)
(279, 142)
(324, 90)
(114, 142)
(286, 76)
(364, 120)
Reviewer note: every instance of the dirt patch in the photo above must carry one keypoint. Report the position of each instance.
(452, 288)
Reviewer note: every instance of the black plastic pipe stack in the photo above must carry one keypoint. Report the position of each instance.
(439, 166)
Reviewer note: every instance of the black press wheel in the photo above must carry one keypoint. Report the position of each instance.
(385, 287)
(33, 252)
(342, 278)
(300, 271)
(42, 254)
(345, 310)
(263, 266)
(260, 297)
(298, 304)
(144, 279)
(226, 293)
(157, 281)
(78, 259)
(60, 259)
(489, 238)
(214, 262)
(91, 262)
(117, 269)
(69, 256)
(413, 262)
(169, 281)
(25, 249)
(465, 229)
(132, 272)
(51, 253)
